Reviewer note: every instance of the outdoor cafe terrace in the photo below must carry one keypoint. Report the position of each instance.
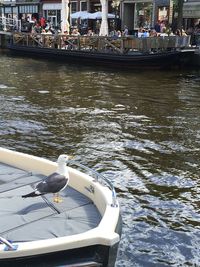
(103, 44)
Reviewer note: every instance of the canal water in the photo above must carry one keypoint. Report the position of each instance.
(140, 129)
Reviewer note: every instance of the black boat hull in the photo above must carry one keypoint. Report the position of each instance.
(99, 255)
(135, 60)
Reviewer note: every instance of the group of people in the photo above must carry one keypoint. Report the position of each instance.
(165, 32)
(159, 29)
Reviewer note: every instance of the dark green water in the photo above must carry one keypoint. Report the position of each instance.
(140, 129)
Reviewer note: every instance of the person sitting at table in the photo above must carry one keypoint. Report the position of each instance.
(125, 32)
(153, 33)
(164, 32)
(75, 32)
(90, 33)
(140, 32)
(119, 34)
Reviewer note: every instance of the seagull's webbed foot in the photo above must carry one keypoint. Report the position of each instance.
(57, 198)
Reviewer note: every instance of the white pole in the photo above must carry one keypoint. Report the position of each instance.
(104, 21)
(65, 16)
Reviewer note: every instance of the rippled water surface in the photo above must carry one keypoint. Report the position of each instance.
(140, 129)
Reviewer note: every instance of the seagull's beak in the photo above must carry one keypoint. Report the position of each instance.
(71, 157)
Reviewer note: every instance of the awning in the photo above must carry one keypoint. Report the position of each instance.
(191, 10)
(55, 6)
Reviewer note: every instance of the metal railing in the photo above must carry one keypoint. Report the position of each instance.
(98, 177)
(9, 246)
(9, 24)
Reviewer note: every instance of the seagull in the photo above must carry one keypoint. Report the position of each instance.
(55, 182)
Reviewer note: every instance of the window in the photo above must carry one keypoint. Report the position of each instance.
(83, 6)
(143, 14)
(51, 13)
(7, 10)
(73, 7)
(163, 13)
(28, 9)
(14, 10)
(53, 16)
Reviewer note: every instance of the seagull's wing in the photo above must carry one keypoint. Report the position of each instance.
(52, 184)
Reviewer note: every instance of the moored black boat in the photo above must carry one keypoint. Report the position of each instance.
(160, 60)
(142, 53)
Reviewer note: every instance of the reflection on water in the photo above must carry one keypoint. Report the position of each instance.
(141, 130)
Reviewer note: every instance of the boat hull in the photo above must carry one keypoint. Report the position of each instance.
(97, 255)
(135, 60)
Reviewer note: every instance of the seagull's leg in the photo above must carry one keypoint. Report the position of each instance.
(57, 198)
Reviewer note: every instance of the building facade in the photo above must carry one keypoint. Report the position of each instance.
(145, 13)
(136, 14)
(191, 13)
(131, 13)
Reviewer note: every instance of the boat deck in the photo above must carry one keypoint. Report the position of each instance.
(39, 217)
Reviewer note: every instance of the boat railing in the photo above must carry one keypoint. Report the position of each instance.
(103, 44)
(98, 177)
(9, 246)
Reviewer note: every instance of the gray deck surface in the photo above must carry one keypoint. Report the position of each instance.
(39, 217)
